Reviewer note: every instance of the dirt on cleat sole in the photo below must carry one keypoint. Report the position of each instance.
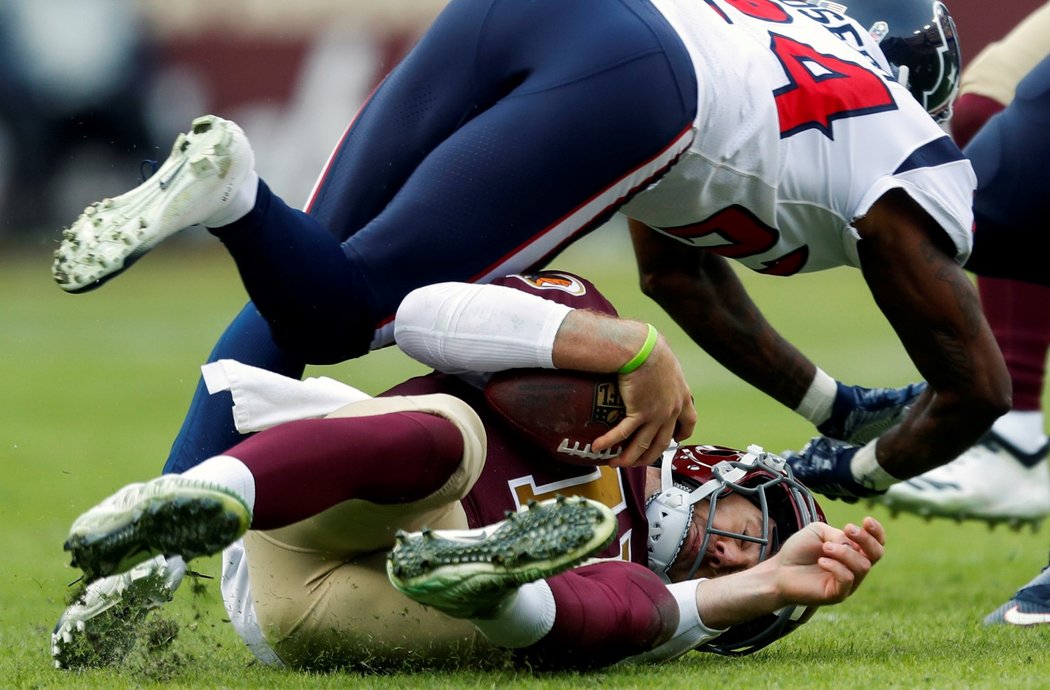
(188, 526)
(465, 573)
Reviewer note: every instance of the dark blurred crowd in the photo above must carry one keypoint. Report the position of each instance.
(73, 87)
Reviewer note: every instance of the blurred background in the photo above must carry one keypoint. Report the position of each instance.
(96, 386)
(89, 89)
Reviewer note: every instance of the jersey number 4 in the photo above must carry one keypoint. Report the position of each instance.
(823, 88)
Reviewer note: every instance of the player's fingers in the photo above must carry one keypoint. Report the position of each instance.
(650, 451)
(663, 438)
(686, 423)
(855, 561)
(844, 580)
(824, 531)
(871, 542)
(618, 435)
(638, 451)
(875, 528)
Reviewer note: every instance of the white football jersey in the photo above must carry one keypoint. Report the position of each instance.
(798, 132)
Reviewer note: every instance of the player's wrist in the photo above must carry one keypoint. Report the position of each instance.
(739, 597)
(818, 402)
(644, 352)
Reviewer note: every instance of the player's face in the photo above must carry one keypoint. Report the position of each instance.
(724, 555)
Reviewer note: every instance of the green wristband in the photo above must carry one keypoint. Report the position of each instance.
(643, 354)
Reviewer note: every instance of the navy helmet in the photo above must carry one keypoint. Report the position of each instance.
(919, 40)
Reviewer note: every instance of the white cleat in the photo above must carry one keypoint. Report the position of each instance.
(101, 627)
(170, 514)
(992, 481)
(206, 167)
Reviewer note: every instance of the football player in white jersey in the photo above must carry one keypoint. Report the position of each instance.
(773, 132)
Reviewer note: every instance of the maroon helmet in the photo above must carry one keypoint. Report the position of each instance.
(691, 474)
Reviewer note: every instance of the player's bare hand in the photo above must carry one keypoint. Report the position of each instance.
(659, 410)
(824, 565)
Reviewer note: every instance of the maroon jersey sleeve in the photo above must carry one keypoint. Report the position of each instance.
(606, 612)
(561, 287)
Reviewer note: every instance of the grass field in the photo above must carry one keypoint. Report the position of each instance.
(95, 387)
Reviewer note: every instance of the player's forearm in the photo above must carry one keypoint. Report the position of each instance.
(732, 599)
(934, 432)
(588, 341)
(935, 310)
(704, 296)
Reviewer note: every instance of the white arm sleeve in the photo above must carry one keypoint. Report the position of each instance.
(690, 632)
(462, 327)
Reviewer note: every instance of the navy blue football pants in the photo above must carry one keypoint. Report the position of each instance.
(511, 130)
(1010, 155)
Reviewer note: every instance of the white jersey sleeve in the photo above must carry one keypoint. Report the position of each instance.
(798, 133)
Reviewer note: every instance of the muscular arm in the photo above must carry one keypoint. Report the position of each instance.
(934, 308)
(703, 295)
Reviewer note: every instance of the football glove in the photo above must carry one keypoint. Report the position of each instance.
(860, 414)
(823, 465)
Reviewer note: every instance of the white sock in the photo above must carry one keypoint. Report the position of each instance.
(1026, 430)
(229, 473)
(866, 469)
(522, 619)
(817, 402)
(240, 204)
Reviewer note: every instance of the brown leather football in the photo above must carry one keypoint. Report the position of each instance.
(559, 411)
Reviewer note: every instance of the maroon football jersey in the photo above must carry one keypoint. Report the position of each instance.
(515, 472)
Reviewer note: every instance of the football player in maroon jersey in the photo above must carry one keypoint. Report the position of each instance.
(716, 549)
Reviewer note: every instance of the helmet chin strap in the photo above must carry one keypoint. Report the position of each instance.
(902, 75)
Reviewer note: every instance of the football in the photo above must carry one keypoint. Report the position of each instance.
(561, 412)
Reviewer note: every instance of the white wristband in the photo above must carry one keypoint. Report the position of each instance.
(867, 471)
(817, 402)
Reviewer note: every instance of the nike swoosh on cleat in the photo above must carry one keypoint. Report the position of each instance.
(165, 183)
(469, 538)
(1015, 616)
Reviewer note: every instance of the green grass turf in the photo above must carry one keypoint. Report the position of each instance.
(95, 387)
